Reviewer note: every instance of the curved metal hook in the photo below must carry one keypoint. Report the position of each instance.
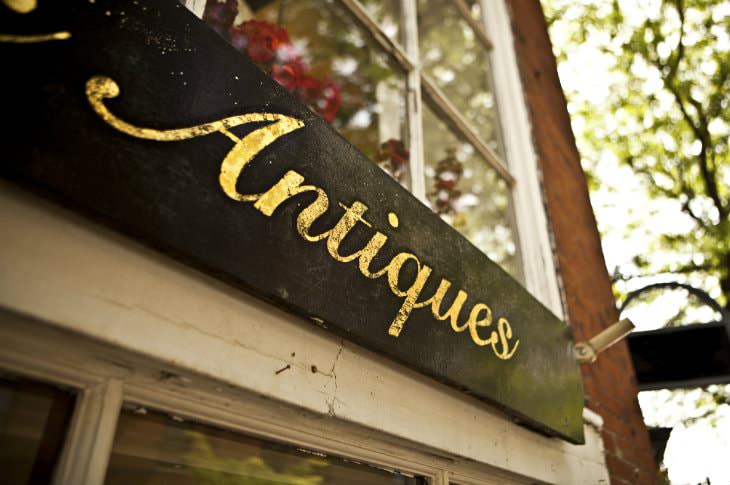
(701, 295)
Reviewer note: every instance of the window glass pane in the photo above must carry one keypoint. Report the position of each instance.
(466, 192)
(155, 449)
(318, 53)
(34, 418)
(455, 60)
(474, 9)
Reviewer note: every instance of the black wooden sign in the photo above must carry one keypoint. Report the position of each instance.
(141, 117)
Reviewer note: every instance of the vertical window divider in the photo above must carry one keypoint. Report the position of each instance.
(414, 101)
(91, 435)
(441, 478)
(533, 233)
(98, 401)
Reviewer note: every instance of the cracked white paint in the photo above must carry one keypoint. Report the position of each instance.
(331, 386)
(58, 268)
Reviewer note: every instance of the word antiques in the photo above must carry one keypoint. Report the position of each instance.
(290, 185)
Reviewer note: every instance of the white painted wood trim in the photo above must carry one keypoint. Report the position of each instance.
(195, 6)
(150, 385)
(98, 400)
(300, 431)
(74, 459)
(91, 435)
(535, 247)
(56, 267)
(414, 103)
(440, 478)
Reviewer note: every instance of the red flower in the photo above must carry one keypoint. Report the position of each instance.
(329, 102)
(259, 39)
(396, 152)
(269, 46)
(324, 97)
(289, 75)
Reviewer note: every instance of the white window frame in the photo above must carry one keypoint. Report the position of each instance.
(535, 243)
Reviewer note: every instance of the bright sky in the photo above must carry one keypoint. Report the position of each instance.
(699, 450)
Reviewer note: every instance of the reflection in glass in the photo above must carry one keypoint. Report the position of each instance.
(318, 53)
(466, 192)
(455, 60)
(153, 449)
(34, 418)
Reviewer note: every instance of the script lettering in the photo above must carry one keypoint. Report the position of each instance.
(292, 184)
(27, 6)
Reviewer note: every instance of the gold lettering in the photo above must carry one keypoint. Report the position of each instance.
(365, 256)
(505, 333)
(368, 253)
(245, 149)
(249, 146)
(27, 6)
(99, 88)
(475, 322)
(33, 39)
(343, 227)
(411, 294)
(310, 213)
(21, 6)
(453, 312)
(289, 186)
(279, 192)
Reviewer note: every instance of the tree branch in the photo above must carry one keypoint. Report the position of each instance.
(698, 126)
(674, 66)
(689, 211)
(709, 176)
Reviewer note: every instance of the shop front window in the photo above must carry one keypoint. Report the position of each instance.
(34, 418)
(466, 191)
(457, 62)
(158, 449)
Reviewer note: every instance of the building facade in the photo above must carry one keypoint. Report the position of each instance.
(122, 363)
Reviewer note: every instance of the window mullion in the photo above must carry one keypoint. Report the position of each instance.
(441, 478)
(362, 16)
(414, 101)
(91, 434)
(533, 236)
(478, 29)
(456, 120)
